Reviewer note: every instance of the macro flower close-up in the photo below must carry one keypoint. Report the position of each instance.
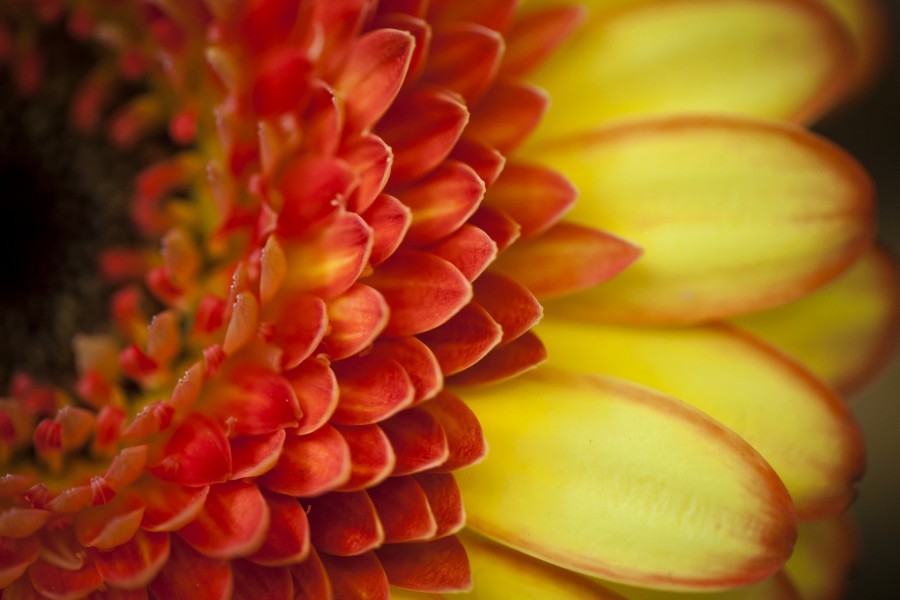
(410, 298)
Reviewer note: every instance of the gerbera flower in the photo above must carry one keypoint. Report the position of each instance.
(351, 228)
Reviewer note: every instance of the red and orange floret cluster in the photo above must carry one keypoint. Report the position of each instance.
(330, 235)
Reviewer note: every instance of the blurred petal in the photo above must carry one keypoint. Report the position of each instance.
(867, 22)
(733, 215)
(615, 480)
(824, 557)
(798, 425)
(776, 587)
(845, 332)
(781, 59)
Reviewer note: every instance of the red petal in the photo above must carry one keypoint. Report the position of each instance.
(281, 81)
(469, 249)
(332, 255)
(258, 402)
(464, 339)
(301, 324)
(134, 564)
(511, 305)
(417, 439)
(403, 510)
(310, 464)
(372, 387)
(317, 393)
(253, 455)
(233, 521)
(465, 439)
(493, 14)
(375, 70)
(508, 360)
(357, 576)
(565, 259)
(310, 579)
(487, 161)
(420, 30)
(436, 566)
(62, 584)
(370, 158)
(533, 196)
(536, 35)
(418, 362)
(422, 290)
(16, 555)
(355, 319)
(312, 189)
(422, 129)
(507, 114)
(416, 8)
(20, 521)
(254, 582)
(498, 225)
(197, 454)
(186, 567)
(344, 523)
(390, 220)
(442, 202)
(266, 23)
(445, 500)
(371, 454)
(126, 467)
(464, 58)
(287, 542)
(322, 120)
(170, 506)
(111, 524)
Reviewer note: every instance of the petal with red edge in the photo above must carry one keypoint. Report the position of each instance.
(287, 541)
(417, 439)
(465, 439)
(487, 161)
(21, 521)
(310, 579)
(344, 523)
(257, 402)
(233, 522)
(357, 576)
(178, 579)
(442, 201)
(170, 506)
(776, 587)
(355, 319)
(312, 189)
(520, 355)
(535, 35)
(499, 226)
(507, 114)
(16, 555)
(371, 159)
(403, 510)
(61, 584)
(134, 564)
(418, 362)
(783, 59)
(389, 219)
(754, 215)
(464, 339)
(372, 76)
(299, 327)
(109, 525)
(197, 454)
(253, 582)
(371, 456)
(464, 58)
(508, 303)
(421, 130)
(310, 464)
(372, 387)
(717, 515)
(533, 196)
(565, 259)
(317, 393)
(436, 566)
(445, 500)
(469, 249)
(280, 82)
(417, 27)
(253, 455)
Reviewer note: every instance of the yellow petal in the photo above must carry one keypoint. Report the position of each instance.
(867, 23)
(846, 331)
(500, 572)
(733, 215)
(798, 425)
(777, 587)
(780, 59)
(610, 479)
(823, 558)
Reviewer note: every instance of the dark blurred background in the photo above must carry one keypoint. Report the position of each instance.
(870, 130)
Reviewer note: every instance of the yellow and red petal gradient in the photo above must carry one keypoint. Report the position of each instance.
(814, 445)
(732, 215)
(617, 478)
(782, 59)
(845, 332)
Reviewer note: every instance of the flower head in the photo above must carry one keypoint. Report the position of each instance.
(357, 211)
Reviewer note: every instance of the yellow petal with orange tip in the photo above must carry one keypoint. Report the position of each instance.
(777, 59)
(798, 425)
(824, 558)
(607, 478)
(845, 332)
(733, 215)
(777, 587)
(501, 572)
